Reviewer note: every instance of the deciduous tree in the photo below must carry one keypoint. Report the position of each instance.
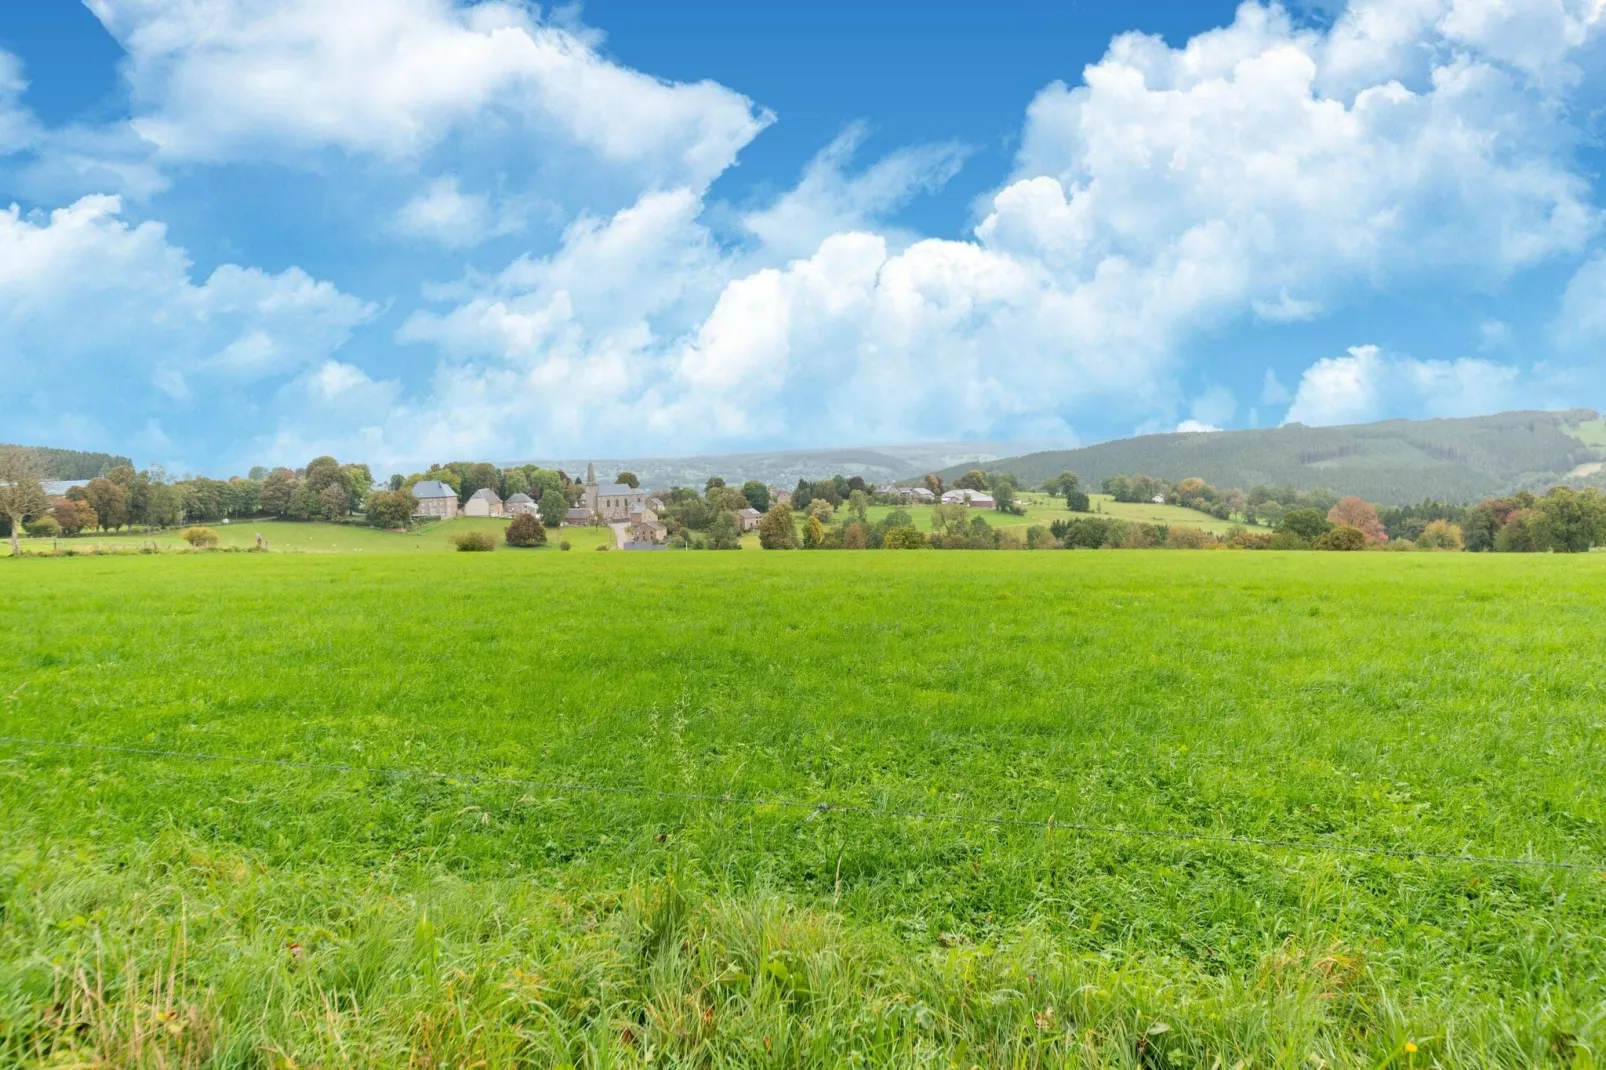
(525, 529)
(757, 495)
(1359, 514)
(21, 495)
(776, 530)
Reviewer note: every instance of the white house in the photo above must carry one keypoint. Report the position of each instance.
(434, 498)
(974, 499)
(483, 502)
(1159, 499)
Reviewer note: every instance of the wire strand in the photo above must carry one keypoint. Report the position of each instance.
(814, 808)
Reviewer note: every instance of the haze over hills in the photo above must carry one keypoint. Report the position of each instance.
(783, 468)
(1392, 462)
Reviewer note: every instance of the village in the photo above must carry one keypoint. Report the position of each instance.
(634, 512)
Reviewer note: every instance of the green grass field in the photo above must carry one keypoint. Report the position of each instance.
(164, 911)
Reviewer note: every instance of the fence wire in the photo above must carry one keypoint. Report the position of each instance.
(814, 809)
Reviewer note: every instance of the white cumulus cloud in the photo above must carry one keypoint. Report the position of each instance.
(228, 79)
(1367, 385)
(103, 316)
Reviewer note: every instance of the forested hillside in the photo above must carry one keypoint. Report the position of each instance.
(1396, 461)
(74, 464)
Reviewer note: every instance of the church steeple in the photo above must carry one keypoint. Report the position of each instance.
(591, 473)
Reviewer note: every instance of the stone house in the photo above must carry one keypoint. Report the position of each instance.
(483, 502)
(519, 503)
(749, 518)
(434, 498)
(578, 517)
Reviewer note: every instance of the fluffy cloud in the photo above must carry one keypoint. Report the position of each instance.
(1366, 385)
(102, 317)
(230, 79)
(1260, 171)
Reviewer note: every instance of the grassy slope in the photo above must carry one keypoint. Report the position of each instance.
(317, 537)
(1440, 702)
(1043, 510)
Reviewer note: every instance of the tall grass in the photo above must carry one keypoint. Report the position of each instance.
(156, 912)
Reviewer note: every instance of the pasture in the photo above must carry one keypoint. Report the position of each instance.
(624, 859)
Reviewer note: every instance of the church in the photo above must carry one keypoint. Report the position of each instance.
(612, 501)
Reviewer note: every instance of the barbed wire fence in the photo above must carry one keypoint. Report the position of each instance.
(815, 808)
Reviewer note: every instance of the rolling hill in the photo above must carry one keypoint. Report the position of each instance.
(73, 464)
(1393, 462)
(783, 468)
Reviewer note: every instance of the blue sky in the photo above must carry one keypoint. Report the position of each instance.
(410, 230)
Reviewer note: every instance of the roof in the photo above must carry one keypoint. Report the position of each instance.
(578, 513)
(484, 494)
(520, 499)
(432, 488)
(57, 487)
(749, 513)
(617, 489)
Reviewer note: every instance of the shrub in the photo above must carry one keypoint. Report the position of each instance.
(1185, 538)
(1307, 524)
(198, 537)
(42, 527)
(904, 538)
(1342, 537)
(526, 529)
(1077, 502)
(1441, 535)
(1286, 540)
(474, 542)
(601, 546)
(563, 544)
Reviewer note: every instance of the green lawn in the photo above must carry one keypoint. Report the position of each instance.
(159, 911)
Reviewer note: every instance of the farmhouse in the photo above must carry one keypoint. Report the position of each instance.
(749, 518)
(434, 498)
(578, 517)
(483, 502)
(518, 503)
(908, 494)
(974, 499)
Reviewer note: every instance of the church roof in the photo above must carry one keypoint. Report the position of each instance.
(615, 490)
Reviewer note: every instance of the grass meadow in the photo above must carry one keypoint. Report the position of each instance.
(166, 911)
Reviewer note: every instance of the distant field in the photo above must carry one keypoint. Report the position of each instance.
(318, 537)
(158, 911)
(1044, 510)
(1591, 434)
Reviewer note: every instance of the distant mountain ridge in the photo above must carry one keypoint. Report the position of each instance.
(784, 468)
(1392, 462)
